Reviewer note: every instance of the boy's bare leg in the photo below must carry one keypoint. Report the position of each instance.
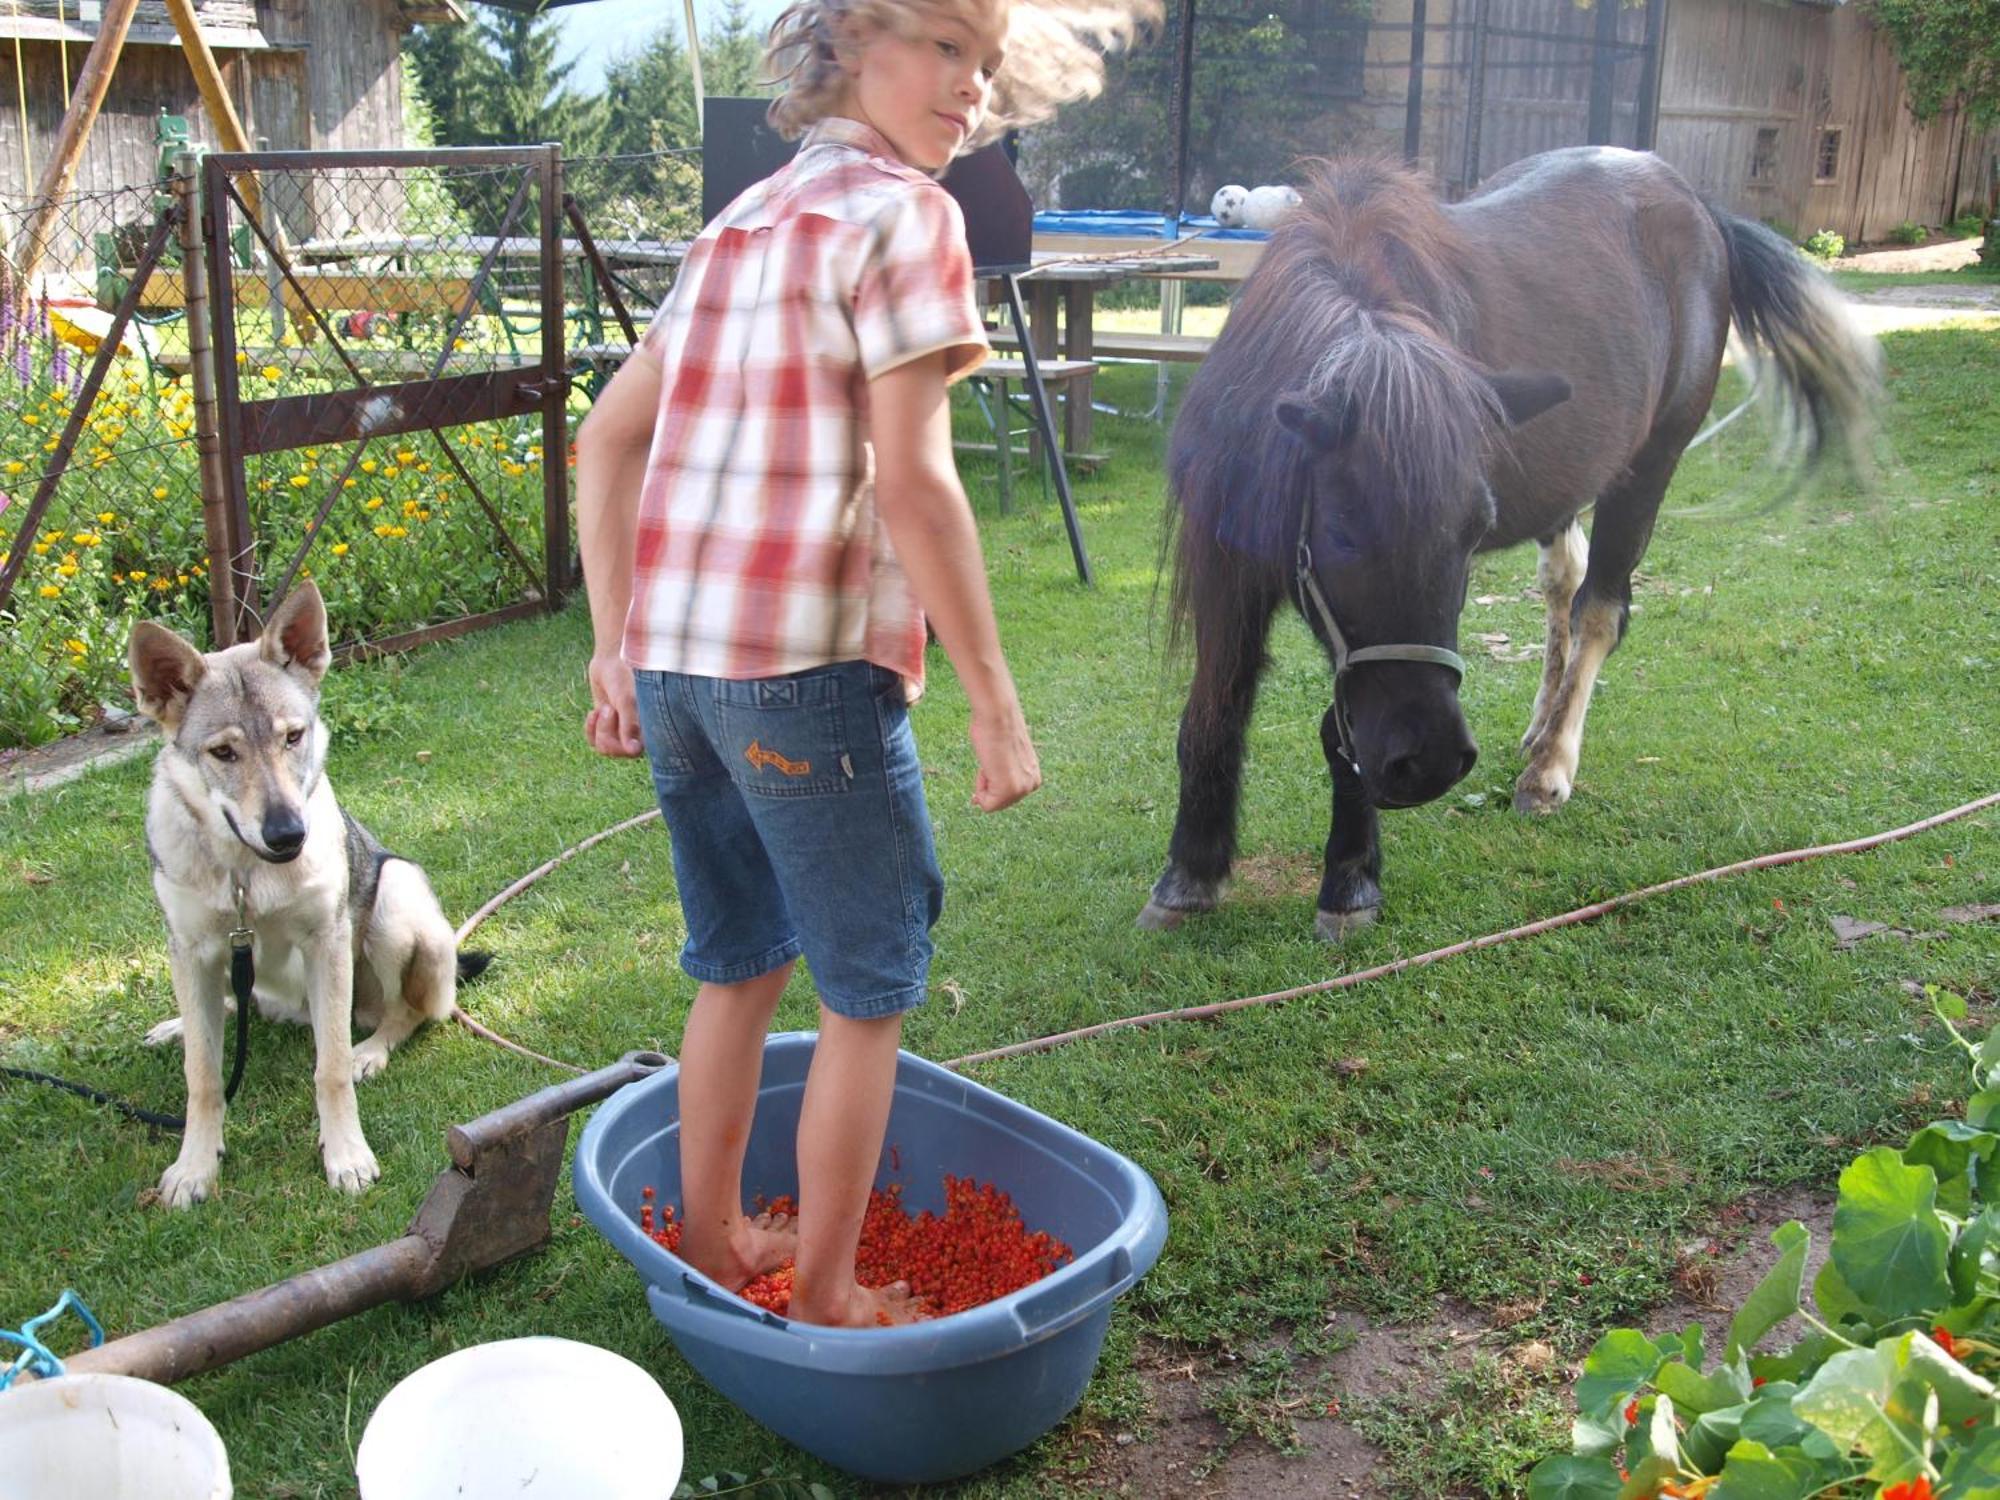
(722, 1059)
(845, 1113)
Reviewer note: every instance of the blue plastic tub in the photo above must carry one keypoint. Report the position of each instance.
(916, 1404)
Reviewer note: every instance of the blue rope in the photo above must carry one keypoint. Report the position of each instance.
(35, 1356)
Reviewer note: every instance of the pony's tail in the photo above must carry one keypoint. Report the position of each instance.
(1808, 355)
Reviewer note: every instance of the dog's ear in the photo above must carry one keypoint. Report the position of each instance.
(165, 669)
(295, 636)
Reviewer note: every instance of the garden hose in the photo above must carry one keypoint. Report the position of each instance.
(1340, 982)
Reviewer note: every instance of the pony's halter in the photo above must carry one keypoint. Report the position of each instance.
(1345, 659)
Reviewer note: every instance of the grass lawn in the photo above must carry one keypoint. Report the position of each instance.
(1538, 1125)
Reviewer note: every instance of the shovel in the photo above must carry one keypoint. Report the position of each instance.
(491, 1205)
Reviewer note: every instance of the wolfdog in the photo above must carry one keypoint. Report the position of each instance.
(243, 832)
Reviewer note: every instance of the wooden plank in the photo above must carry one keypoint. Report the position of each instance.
(1118, 344)
(285, 422)
(330, 292)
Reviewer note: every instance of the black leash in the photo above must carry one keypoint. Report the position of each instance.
(242, 978)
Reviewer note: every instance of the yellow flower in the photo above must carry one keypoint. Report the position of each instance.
(68, 570)
(76, 648)
(50, 591)
(373, 502)
(106, 517)
(399, 531)
(300, 481)
(15, 466)
(270, 372)
(404, 456)
(117, 577)
(242, 358)
(51, 445)
(159, 492)
(340, 549)
(409, 507)
(161, 585)
(389, 472)
(41, 549)
(30, 418)
(137, 575)
(423, 468)
(349, 482)
(181, 577)
(369, 466)
(86, 539)
(383, 528)
(423, 515)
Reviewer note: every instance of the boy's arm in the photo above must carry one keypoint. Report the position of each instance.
(923, 505)
(611, 449)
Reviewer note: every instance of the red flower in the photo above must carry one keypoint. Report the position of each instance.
(1910, 1489)
(1756, 1381)
(1945, 1341)
(1632, 1411)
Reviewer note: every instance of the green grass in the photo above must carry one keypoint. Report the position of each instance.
(1788, 679)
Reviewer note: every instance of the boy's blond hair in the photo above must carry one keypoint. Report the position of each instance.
(1055, 52)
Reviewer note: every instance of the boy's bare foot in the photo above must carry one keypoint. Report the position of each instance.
(864, 1307)
(747, 1249)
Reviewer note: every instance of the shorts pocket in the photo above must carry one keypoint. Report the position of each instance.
(784, 736)
(665, 748)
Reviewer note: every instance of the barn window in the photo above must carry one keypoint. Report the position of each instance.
(1764, 160)
(1826, 163)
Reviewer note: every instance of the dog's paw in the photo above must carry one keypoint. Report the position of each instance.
(350, 1167)
(165, 1032)
(186, 1183)
(369, 1059)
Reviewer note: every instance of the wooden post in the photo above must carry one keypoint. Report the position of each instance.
(215, 96)
(222, 546)
(59, 173)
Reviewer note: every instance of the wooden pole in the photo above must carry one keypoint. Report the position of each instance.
(59, 172)
(215, 96)
(222, 546)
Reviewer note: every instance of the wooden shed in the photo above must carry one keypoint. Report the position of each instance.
(304, 74)
(1791, 111)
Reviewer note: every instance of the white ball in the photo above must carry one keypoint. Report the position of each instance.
(1263, 207)
(1227, 205)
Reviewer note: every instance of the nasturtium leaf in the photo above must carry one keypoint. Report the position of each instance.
(1975, 1250)
(1776, 1297)
(1708, 1439)
(1752, 1471)
(1962, 1158)
(1976, 1464)
(1771, 1420)
(1945, 1003)
(1858, 1400)
(1888, 1241)
(1571, 1477)
(1835, 1299)
(1982, 1110)
(1646, 1475)
(1961, 1394)
(1695, 1392)
(1619, 1363)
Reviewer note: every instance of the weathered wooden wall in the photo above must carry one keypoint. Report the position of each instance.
(326, 77)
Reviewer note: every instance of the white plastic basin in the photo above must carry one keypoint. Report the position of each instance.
(534, 1418)
(110, 1437)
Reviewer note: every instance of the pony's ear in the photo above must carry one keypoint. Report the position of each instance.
(1325, 426)
(1525, 395)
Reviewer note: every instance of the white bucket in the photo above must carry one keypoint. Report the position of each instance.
(538, 1418)
(111, 1437)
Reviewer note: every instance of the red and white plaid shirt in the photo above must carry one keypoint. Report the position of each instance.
(759, 550)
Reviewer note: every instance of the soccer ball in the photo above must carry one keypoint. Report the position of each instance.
(1263, 207)
(1227, 205)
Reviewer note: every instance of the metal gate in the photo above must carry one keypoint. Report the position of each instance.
(387, 352)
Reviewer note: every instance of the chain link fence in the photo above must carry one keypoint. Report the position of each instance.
(384, 340)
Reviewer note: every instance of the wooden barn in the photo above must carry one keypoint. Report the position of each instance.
(304, 74)
(1790, 111)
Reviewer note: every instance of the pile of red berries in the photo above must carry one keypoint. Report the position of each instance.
(975, 1251)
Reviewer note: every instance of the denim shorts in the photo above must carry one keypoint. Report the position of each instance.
(795, 806)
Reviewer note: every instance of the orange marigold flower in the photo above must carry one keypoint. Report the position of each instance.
(1632, 1411)
(1910, 1489)
(1944, 1340)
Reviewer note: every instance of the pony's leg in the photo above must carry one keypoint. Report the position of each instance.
(1603, 604)
(1229, 655)
(1350, 893)
(1558, 575)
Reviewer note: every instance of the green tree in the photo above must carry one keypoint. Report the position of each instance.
(457, 76)
(1950, 51)
(530, 99)
(649, 97)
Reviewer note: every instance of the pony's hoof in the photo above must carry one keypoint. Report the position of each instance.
(1540, 795)
(1158, 918)
(1338, 926)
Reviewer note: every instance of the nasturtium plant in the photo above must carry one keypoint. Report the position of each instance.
(1890, 1394)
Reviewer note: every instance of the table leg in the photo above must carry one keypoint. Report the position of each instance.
(1080, 303)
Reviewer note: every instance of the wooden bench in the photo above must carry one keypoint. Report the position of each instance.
(1068, 378)
(1181, 348)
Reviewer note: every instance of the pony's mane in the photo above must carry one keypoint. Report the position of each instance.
(1359, 291)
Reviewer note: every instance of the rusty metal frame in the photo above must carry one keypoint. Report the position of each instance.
(366, 411)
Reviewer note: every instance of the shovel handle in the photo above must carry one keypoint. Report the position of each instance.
(557, 1101)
